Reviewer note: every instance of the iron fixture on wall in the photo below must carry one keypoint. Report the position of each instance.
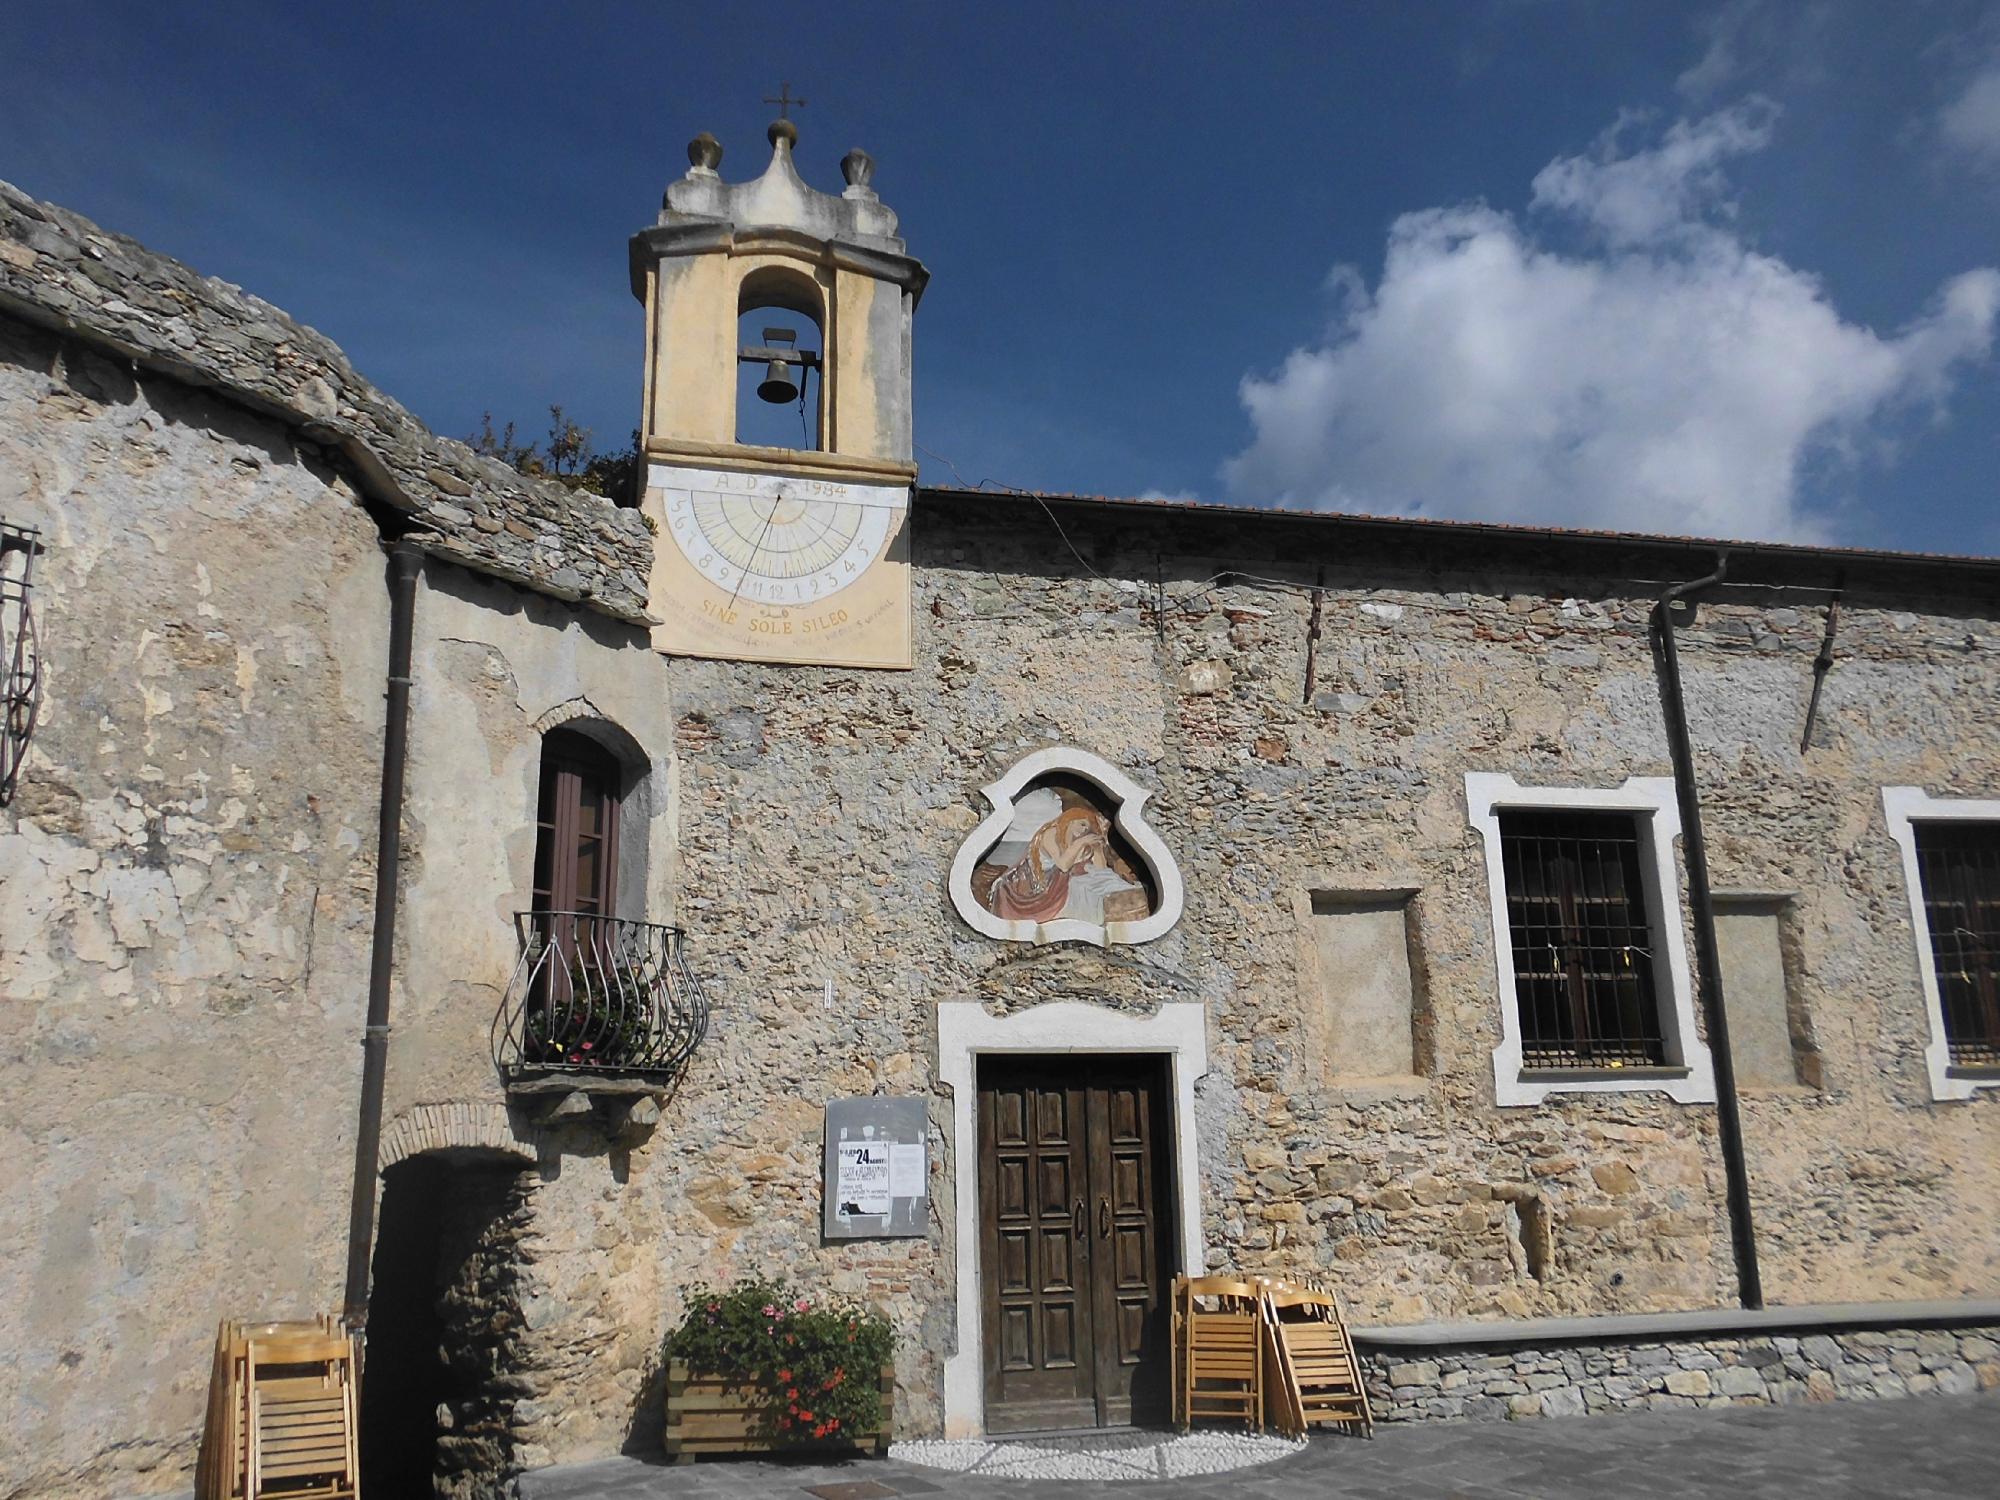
(20, 651)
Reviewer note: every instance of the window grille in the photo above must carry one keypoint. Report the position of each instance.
(1583, 943)
(20, 651)
(1959, 865)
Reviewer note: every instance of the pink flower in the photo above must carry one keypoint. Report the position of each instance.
(770, 1311)
(801, 1305)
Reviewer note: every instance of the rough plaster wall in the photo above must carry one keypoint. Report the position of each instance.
(1750, 948)
(1355, 987)
(493, 667)
(822, 807)
(186, 876)
(802, 821)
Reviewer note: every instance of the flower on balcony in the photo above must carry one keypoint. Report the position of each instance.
(593, 1015)
(597, 994)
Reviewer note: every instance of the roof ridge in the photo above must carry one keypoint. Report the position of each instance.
(63, 271)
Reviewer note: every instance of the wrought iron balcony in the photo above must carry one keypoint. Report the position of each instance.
(598, 996)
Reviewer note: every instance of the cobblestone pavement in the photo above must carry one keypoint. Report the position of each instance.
(1916, 1449)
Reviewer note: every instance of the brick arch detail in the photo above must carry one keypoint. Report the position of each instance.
(562, 713)
(442, 1127)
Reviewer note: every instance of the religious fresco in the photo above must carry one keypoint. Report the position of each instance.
(1063, 859)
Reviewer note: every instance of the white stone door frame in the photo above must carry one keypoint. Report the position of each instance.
(966, 1032)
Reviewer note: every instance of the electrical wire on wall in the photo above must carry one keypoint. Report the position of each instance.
(1182, 603)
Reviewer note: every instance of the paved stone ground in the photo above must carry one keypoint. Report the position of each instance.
(1924, 1448)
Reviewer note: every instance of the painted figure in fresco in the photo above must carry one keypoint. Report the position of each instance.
(1056, 861)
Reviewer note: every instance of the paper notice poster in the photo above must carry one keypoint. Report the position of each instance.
(906, 1170)
(861, 1184)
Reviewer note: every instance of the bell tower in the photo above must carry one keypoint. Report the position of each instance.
(776, 427)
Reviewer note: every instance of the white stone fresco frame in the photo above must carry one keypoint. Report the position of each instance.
(966, 1032)
(1130, 798)
(1904, 807)
(1487, 794)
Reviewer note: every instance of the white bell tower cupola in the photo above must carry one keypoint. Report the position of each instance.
(825, 275)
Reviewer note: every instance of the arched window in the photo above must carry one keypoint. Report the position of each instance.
(576, 827)
(778, 321)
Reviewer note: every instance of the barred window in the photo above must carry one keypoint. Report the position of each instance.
(1582, 939)
(1959, 865)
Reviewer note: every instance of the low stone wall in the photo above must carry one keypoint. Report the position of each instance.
(1489, 1382)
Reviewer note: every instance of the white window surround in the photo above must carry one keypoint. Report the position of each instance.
(1905, 806)
(1130, 798)
(1651, 798)
(966, 1032)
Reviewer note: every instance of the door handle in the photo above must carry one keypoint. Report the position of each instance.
(1104, 1218)
(1077, 1225)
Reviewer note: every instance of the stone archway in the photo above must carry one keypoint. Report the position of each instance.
(444, 1324)
(448, 1127)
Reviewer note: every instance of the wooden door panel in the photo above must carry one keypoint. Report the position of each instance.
(1074, 1266)
(1040, 1355)
(1130, 1279)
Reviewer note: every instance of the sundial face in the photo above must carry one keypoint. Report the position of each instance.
(772, 567)
(781, 548)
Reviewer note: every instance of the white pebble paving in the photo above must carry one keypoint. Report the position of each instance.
(1123, 1456)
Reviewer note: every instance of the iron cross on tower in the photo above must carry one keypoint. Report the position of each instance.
(784, 101)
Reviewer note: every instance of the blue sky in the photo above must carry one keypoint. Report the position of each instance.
(1730, 269)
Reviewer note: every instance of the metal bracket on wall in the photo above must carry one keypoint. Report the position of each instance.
(1822, 664)
(20, 651)
(1312, 639)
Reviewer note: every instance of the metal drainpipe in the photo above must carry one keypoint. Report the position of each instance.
(1742, 1231)
(404, 558)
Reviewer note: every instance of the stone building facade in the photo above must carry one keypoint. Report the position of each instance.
(1324, 722)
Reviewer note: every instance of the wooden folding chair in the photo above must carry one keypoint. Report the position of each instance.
(1218, 1340)
(1316, 1376)
(301, 1419)
(281, 1414)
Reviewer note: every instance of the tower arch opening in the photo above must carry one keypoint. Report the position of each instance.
(780, 331)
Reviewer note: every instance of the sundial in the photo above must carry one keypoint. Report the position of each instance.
(777, 567)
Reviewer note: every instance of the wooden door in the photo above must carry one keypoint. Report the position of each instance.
(1073, 1261)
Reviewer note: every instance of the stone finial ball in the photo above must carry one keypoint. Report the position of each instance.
(783, 130)
(705, 151)
(858, 167)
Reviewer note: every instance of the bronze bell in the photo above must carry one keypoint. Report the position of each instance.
(778, 385)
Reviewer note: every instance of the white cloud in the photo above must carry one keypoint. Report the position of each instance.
(1971, 121)
(1671, 378)
(1647, 195)
(1729, 33)
(1762, 42)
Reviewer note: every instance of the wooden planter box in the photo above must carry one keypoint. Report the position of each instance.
(709, 1413)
